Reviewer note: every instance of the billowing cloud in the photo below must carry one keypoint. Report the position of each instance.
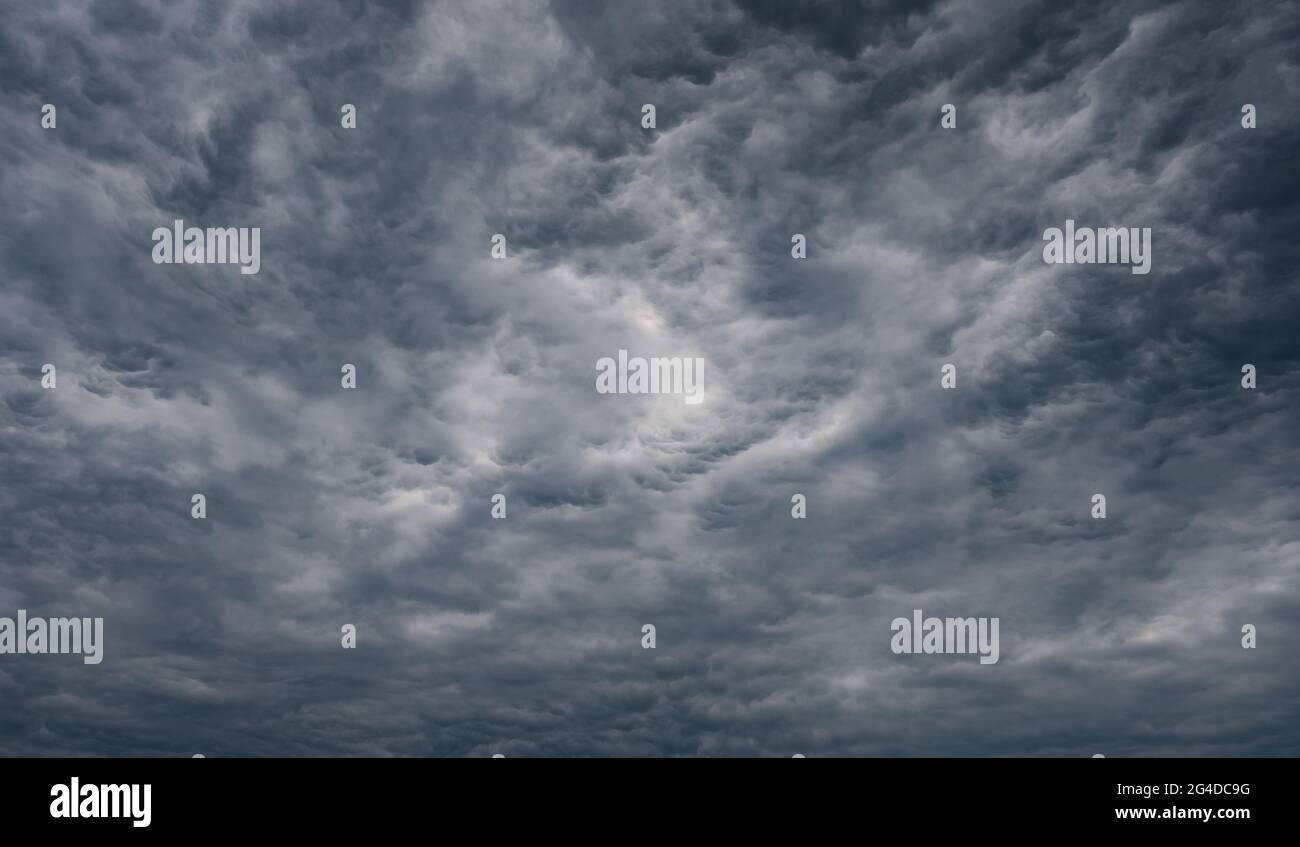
(475, 376)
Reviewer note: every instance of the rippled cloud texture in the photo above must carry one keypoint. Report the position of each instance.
(476, 376)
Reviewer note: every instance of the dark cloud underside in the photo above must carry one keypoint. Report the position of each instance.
(476, 376)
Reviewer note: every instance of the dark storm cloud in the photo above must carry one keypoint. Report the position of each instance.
(475, 377)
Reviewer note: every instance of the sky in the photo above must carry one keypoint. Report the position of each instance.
(475, 376)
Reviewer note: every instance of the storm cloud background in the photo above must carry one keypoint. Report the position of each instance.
(522, 636)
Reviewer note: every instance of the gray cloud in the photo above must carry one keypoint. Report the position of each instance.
(476, 376)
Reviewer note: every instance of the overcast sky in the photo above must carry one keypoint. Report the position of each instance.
(522, 636)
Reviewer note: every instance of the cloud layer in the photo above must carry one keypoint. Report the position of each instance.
(476, 376)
